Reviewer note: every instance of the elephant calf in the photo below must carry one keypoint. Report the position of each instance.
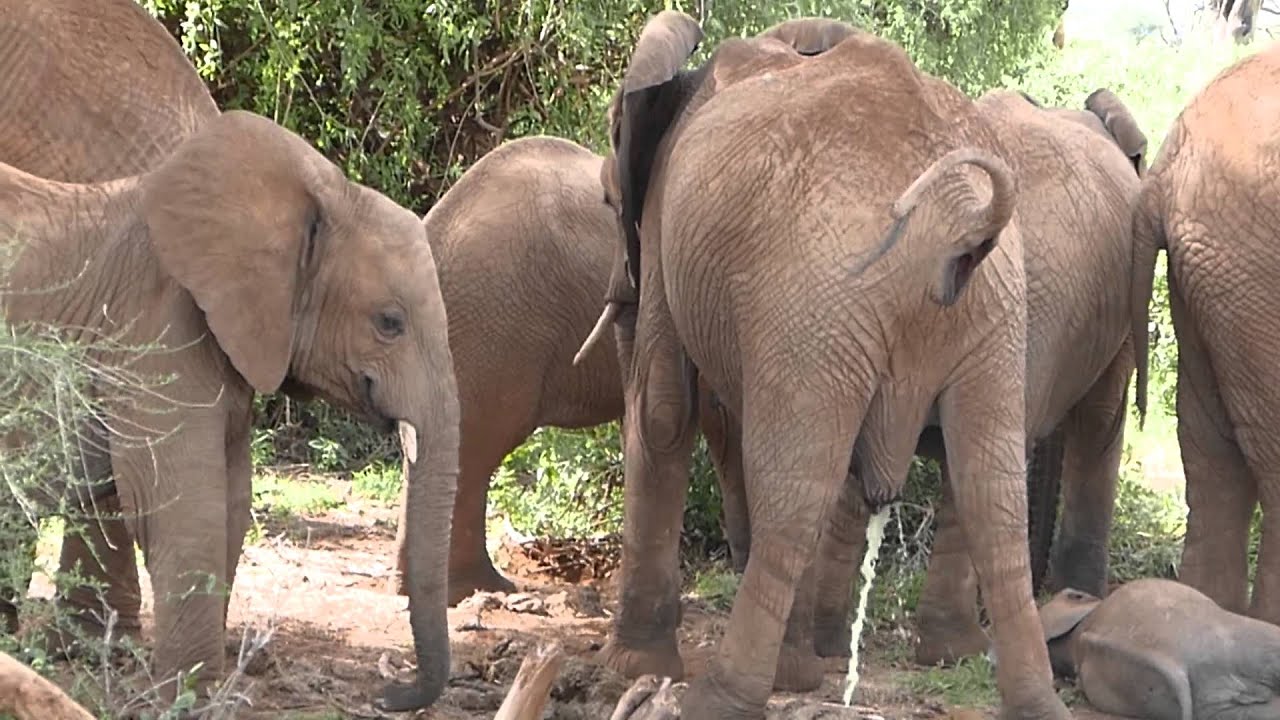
(1162, 650)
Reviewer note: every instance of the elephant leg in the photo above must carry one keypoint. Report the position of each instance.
(98, 547)
(1221, 492)
(17, 565)
(947, 613)
(658, 436)
(481, 451)
(799, 667)
(724, 445)
(982, 418)
(796, 450)
(1044, 488)
(1092, 448)
(470, 568)
(239, 500)
(174, 491)
(843, 541)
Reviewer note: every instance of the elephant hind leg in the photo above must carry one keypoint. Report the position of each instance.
(947, 614)
(796, 449)
(840, 549)
(1221, 492)
(1094, 443)
(658, 436)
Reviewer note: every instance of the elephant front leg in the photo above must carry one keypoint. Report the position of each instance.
(947, 614)
(982, 423)
(481, 451)
(658, 435)
(175, 491)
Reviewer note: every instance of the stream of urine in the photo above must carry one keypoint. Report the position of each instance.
(875, 535)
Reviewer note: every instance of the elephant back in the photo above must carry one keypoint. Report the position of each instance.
(93, 89)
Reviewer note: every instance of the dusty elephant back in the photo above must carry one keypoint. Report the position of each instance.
(804, 110)
(92, 89)
(524, 243)
(1077, 191)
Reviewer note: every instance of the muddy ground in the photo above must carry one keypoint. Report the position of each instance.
(321, 586)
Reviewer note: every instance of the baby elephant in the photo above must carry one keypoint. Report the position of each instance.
(1161, 650)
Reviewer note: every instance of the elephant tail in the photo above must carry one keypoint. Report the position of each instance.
(1148, 239)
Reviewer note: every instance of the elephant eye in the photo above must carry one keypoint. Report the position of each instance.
(390, 323)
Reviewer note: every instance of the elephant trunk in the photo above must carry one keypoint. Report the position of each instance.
(432, 481)
(1148, 239)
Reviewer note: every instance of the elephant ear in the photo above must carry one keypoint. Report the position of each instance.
(233, 215)
(1120, 123)
(1065, 611)
(811, 35)
(652, 94)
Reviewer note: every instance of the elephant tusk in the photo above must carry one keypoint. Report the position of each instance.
(408, 440)
(609, 314)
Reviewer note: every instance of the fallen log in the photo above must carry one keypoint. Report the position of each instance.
(27, 696)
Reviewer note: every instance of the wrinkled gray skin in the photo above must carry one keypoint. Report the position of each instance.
(1078, 173)
(254, 264)
(1209, 201)
(524, 242)
(79, 105)
(1159, 650)
(816, 319)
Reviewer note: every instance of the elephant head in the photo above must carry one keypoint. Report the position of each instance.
(306, 277)
(811, 35)
(1119, 122)
(1060, 617)
(657, 93)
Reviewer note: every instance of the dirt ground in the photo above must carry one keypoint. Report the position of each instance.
(321, 586)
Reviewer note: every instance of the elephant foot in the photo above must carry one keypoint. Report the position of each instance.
(465, 581)
(798, 670)
(708, 699)
(1044, 705)
(943, 644)
(661, 658)
(831, 637)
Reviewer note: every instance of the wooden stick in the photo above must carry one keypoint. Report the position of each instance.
(531, 691)
(27, 696)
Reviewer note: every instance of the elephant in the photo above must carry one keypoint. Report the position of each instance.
(527, 220)
(243, 262)
(1206, 201)
(1160, 650)
(81, 106)
(803, 233)
(1079, 173)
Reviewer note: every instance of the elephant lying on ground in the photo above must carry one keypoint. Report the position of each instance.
(1078, 176)
(774, 254)
(1210, 200)
(526, 221)
(80, 105)
(249, 263)
(1160, 650)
